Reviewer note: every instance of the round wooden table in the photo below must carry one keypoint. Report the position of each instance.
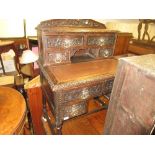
(12, 111)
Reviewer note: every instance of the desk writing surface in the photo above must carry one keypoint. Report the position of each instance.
(83, 70)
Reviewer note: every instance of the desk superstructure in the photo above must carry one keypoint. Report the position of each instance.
(76, 63)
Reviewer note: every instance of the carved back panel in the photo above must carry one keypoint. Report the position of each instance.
(62, 40)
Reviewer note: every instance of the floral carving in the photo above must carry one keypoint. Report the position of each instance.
(64, 42)
(101, 41)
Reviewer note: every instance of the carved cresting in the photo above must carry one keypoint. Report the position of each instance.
(71, 23)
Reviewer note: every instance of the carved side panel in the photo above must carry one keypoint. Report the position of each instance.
(108, 85)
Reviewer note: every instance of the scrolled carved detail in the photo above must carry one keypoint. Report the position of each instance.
(105, 52)
(71, 23)
(58, 57)
(59, 42)
(83, 93)
(74, 110)
(101, 40)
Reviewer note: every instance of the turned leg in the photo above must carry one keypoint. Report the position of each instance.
(59, 130)
(58, 125)
(44, 104)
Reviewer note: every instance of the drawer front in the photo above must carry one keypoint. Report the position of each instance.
(84, 93)
(58, 57)
(64, 41)
(101, 40)
(74, 110)
(105, 53)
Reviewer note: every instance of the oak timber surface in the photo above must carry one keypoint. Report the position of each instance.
(12, 110)
(83, 70)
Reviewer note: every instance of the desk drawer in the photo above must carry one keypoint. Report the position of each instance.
(58, 57)
(86, 92)
(101, 40)
(63, 41)
(69, 111)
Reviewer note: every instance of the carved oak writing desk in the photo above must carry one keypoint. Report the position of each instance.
(68, 87)
(75, 59)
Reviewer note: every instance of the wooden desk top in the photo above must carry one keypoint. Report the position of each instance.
(12, 111)
(83, 70)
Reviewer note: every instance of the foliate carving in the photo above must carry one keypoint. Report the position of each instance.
(101, 40)
(64, 42)
(83, 93)
(80, 82)
(71, 23)
(58, 57)
(74, 110)
(106, 52)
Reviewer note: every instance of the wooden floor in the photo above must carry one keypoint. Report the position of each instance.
(86, 125)
(92, 124)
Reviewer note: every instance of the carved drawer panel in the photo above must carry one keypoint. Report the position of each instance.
(74, 110)
(89, 91)
(107, 52)
(101, 40)
(58, 57)
(64, 41)
(94, 52)
(83, 93)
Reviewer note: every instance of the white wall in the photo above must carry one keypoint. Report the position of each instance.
(127, 25)
(11, 28)
(14, 27)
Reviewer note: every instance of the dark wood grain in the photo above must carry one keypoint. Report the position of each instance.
(35, 105)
